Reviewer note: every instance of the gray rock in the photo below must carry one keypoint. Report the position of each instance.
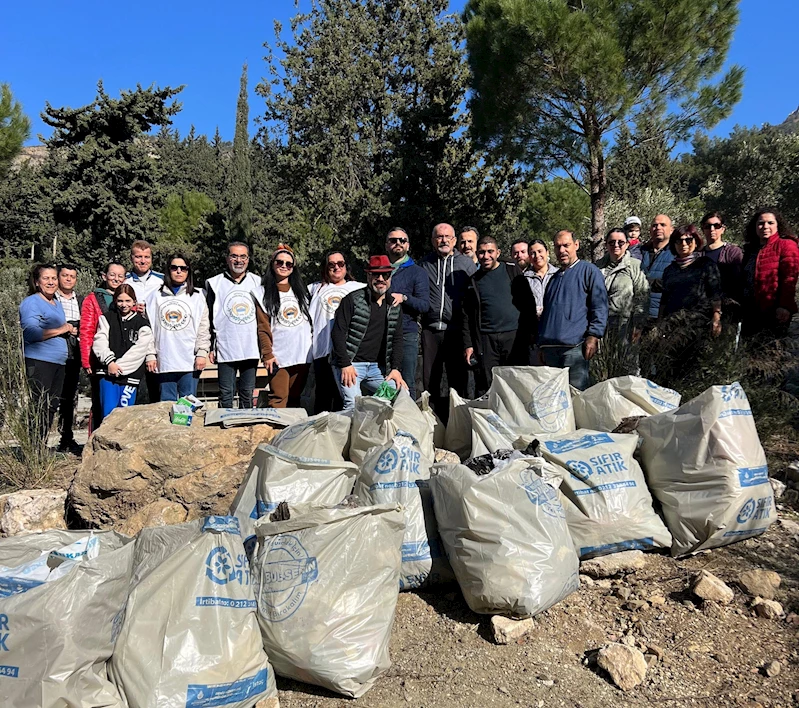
(789, 526)
(777, 487)
(614, 564)
(445, 456)
(707, 586)
(759, 583)
(772, 668)
(32, 510)
(587, 581)
(623, 593)
(507, 631)
(769, 609)
(626, 665)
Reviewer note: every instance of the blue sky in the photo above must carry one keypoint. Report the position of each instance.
(58, 53)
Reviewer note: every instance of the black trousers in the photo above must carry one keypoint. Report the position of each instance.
(443, 367)
(46, 381)
(151, 391)
(500, 349)
(69, 395)
(97, 407)
(327, 396)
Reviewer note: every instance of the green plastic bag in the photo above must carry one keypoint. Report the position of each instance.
(387, 391)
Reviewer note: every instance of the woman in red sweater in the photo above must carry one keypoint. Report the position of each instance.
(770, 269)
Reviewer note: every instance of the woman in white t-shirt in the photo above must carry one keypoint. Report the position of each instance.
(284, 329)
(178, 316)
(326, 296)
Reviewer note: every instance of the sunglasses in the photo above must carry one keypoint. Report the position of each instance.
(686, 239)
(398, 240)
(179, 269)
(713, 226)
(280, 263)
(332, 265)
(616, 243)
(380, 276)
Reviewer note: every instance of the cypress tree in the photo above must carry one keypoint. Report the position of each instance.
(240, 183)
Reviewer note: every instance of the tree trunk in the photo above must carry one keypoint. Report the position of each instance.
(597, 185)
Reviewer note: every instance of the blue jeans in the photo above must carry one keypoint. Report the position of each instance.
(369, 378)
(572, 357)
(410, 357)
(227, 382)
(175, 384)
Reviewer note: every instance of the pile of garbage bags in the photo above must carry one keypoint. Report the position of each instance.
(341, 512)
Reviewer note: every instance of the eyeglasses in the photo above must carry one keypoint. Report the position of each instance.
(616, 243)
(332, 265)
(280, 263)
(398, 240)
(443, 237)
(179, 269)
(713, 225)
(239, 258)
(686, 239)
(380, 276)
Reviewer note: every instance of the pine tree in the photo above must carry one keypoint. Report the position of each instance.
(15, 128)
(240, 213)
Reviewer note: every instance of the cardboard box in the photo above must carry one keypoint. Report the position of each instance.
(180, 414)
(191, 402)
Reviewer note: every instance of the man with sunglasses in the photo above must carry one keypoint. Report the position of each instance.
(410, 289)
(367, 336)
(234, 337)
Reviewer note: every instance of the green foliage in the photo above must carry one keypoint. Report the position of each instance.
(240, 187)
(553, 205)
(753, 168)
(553, 79)
(103, 172)
(365, 115)
(26, 216)
(15, 128)
(184, 221)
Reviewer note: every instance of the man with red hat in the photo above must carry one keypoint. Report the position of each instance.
(367, 336)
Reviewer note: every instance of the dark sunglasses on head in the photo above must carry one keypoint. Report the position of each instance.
(713, 226)
(398, 239)
(332, 265)
(280, 263)
(179, 268)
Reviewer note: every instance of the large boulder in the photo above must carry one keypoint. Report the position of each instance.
(32, 510)
(137, 460)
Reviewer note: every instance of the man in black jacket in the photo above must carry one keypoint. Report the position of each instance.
(448, 272)
(499, 316)
(71, 302)
(367, 336)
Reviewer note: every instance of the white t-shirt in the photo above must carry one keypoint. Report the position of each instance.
(325, 299)
(233, 316)
(144, 287)
(291, 333)
(175, 321)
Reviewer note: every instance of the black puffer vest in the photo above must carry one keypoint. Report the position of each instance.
(360, 323)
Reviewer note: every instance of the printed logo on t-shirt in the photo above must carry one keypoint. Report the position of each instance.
(174, 315)
(289, 314)
(332, 299)
(239, 307)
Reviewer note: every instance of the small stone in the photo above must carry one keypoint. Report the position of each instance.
(604, 584)
(760, 583)
(778, 487)
(507, 631)
(708, 587)
(614, 564)
(623, 593)
(32, 510)
(586, 580)
(769, 609)
(504, 690)
(792, 618)
(772, 668)
(629, 640)
(635, 605)
(446, 457)
(273, 702)
(790, 527)
(651, 660)
(656, 600)
(548, 682)
(626, 665)
(658, 651)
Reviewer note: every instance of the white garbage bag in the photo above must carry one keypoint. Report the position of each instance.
(458, 435)
(490, 433)
(603, 490)
(276, 475)
(190, 638)
(436, 426)
(230, 417)
(324, 436)
(398, 473)
(532, 399)
(62, 597)
(706, 466)
(375, 421)
(603, 406)
(506, 536)
(327, 582)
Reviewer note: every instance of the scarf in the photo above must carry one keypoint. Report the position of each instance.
(685, 262)
(396, 265)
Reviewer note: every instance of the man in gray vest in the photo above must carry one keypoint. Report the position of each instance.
(367, 336)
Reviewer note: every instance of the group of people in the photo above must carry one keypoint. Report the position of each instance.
(462, 305)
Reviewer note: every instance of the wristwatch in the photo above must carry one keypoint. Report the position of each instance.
(405, 298)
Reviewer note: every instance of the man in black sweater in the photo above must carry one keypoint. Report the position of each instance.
(367, 336)
(499, 315)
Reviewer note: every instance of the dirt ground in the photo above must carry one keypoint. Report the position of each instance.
(443, 654)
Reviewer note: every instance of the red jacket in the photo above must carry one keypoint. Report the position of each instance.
(90, 314)
(776, 272)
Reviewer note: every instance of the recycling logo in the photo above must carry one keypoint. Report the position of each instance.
(746, 511)
(580, 469)
(219, 566)
(387, 462)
